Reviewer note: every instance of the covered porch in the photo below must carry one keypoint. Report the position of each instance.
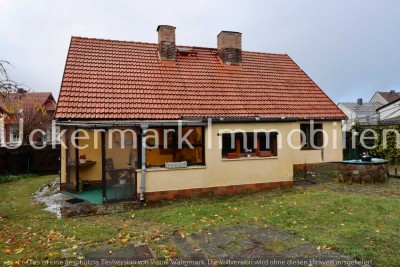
(101, 160)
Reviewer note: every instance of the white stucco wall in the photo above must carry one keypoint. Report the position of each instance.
(219, 171)
(351, 117)
(378, 98)
(390, 111)
(223, 172)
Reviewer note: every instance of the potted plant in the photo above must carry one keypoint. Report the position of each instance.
(82, 158)
(232, 155)
(366, 157)
(122, 178)
(267, 153)
(248, 152)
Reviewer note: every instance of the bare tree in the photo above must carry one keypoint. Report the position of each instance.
(11, 94)
(8, 90)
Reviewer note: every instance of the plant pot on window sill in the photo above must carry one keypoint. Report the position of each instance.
(82, 161)
(122, 181)
(265, 153)
(232, 155)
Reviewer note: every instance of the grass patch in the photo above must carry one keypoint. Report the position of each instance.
(231, 246)
(276, 246)
(362, 226)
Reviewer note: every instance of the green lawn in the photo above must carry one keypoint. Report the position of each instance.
(361, 222)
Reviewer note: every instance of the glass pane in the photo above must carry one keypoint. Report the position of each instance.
(121, 157)
(192, 156)
(158, 157)
(195, 136)
(227, 145)
(247, 142)
(120, 184)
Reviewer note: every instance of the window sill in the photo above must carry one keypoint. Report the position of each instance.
(156, 169)
(251, 158)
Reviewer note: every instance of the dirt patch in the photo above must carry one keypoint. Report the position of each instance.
(128, 255)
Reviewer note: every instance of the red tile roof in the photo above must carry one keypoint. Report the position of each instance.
(25, 101)
(106, 79)
(28, 99)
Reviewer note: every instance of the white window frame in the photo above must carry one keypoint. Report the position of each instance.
(14, 140)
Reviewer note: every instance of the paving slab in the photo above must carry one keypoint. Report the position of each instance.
(253, 245)
(128, 255)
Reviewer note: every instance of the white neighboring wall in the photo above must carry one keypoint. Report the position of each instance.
(351, 117)
(390, 111)
(378, 98)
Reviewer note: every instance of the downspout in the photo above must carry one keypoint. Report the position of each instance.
(144, 127)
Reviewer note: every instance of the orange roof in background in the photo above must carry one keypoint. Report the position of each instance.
(28, 99)
(106, 79)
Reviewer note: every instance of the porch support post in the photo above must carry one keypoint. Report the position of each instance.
(144, 127)
(103, 165)
(77, 163)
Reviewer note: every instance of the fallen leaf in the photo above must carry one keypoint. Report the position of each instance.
(331, 248)
(54, 253)
(19, 250)
(9, 263)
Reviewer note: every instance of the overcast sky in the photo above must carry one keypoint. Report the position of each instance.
(349, 48)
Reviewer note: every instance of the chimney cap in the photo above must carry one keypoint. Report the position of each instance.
(165, 26)
(229, 32)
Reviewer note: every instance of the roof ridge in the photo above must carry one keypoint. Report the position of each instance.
(181, 46)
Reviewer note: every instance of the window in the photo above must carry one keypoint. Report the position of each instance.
(14, 135)
(311, 136)
(240, 143)
(167, 149)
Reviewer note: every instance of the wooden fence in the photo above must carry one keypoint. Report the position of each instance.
(27, 159)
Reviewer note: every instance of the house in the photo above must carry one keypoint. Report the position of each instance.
(390, 113)
(217, 99)
(359, 113)
(24, 104)
(385, 97)
(379, 108)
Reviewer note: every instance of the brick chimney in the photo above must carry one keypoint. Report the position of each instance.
(166, 42)
(360, 101)
(230, 47)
